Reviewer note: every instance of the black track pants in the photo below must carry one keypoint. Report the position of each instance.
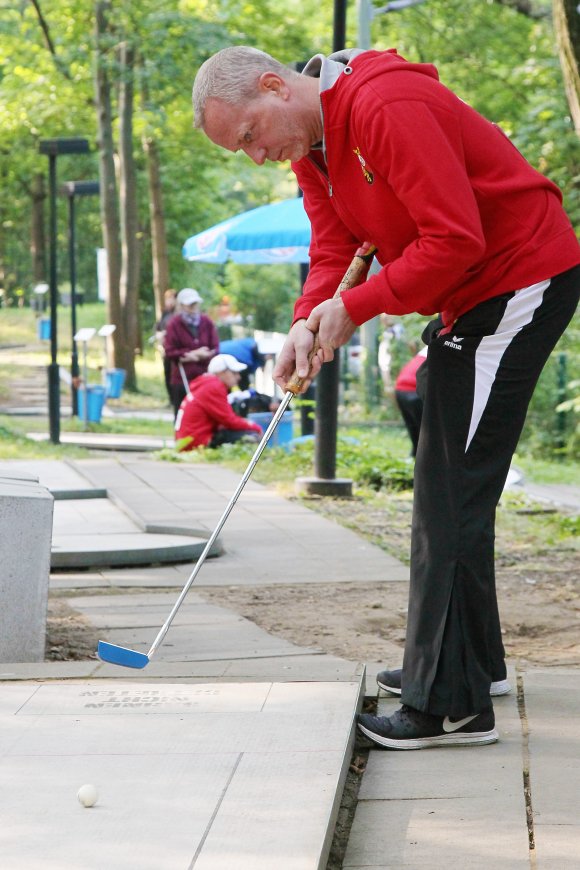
(479, 381)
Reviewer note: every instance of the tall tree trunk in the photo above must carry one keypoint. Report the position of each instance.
(129, 285)
(108, 183)
(567, 29)
(160, 260)
(37, 236)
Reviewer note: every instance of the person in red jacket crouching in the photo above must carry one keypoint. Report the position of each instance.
(205, 418)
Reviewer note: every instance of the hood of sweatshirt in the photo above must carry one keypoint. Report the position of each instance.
(330, 69)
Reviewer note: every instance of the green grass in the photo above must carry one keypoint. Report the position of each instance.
(373, 459)
(15, 445)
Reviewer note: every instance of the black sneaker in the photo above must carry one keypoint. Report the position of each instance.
(411, 729)
(390, 681)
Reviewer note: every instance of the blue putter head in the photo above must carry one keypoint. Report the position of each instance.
(120, 655)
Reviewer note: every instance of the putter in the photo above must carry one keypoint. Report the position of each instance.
(184, 379)
(129, 658)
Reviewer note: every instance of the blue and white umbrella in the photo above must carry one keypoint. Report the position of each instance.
(275, 233)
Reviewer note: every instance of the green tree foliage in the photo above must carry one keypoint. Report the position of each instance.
(504, 64)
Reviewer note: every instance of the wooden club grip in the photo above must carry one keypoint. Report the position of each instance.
(354, 275)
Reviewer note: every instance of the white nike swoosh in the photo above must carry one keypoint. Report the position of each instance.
(449, 726)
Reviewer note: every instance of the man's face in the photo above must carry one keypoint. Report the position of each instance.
(272, 126)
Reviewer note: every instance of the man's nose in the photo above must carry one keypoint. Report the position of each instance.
(256, 153)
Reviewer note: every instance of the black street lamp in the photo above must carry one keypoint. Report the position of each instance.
(325, 481)
(52, 148)
(72, 189)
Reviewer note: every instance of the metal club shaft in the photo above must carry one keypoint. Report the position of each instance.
(259, 450)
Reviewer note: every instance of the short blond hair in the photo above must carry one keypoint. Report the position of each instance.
(232, 75)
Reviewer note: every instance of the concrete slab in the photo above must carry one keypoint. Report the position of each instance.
(74, 518)
(260, 528)
(200, 631)
(305, 668)
(139, 548)
(187, 776)
(54, 474)
(108, 442)
(431, 810)
(153, 576)
(433, 834)
(93, 533)
(552, 703)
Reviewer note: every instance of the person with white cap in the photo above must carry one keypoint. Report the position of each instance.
(191, 341)
(205, 417)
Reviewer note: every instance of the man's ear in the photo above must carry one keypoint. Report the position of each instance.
(271, 82)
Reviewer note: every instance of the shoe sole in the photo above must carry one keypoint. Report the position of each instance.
(478, 738)
(501, 687)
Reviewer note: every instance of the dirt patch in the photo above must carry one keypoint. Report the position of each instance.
(537, 580)
(69, 635)
(536, 573)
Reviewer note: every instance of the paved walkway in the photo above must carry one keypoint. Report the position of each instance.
(246, 737)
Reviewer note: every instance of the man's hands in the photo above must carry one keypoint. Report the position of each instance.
(331, 322)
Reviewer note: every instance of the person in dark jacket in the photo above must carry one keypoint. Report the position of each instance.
(205, 417)
(191, 341)
(169, 306)
(390, 159)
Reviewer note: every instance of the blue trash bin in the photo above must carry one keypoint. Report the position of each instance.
(43, 326)
(96, 400)
(115, 381)
(283, 433)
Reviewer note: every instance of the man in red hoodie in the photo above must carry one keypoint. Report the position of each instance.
(205, 417)
(464, 227)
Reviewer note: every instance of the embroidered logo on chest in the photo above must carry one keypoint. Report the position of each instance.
(363, 165)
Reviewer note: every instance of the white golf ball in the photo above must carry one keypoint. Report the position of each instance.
(88, 795)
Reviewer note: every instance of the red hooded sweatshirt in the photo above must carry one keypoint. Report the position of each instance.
(456, 213)
(205, 411)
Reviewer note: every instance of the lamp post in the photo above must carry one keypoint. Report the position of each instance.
(52, 148)
(72, 189)
(325, 481)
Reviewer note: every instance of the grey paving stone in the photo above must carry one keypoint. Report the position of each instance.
(297, 668)
(552, 700)
(440, 833)
(122, 548)
(187, 775)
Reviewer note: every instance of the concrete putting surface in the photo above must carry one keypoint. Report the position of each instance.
(206, 776)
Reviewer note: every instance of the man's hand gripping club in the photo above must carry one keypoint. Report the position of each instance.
(312, 342)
